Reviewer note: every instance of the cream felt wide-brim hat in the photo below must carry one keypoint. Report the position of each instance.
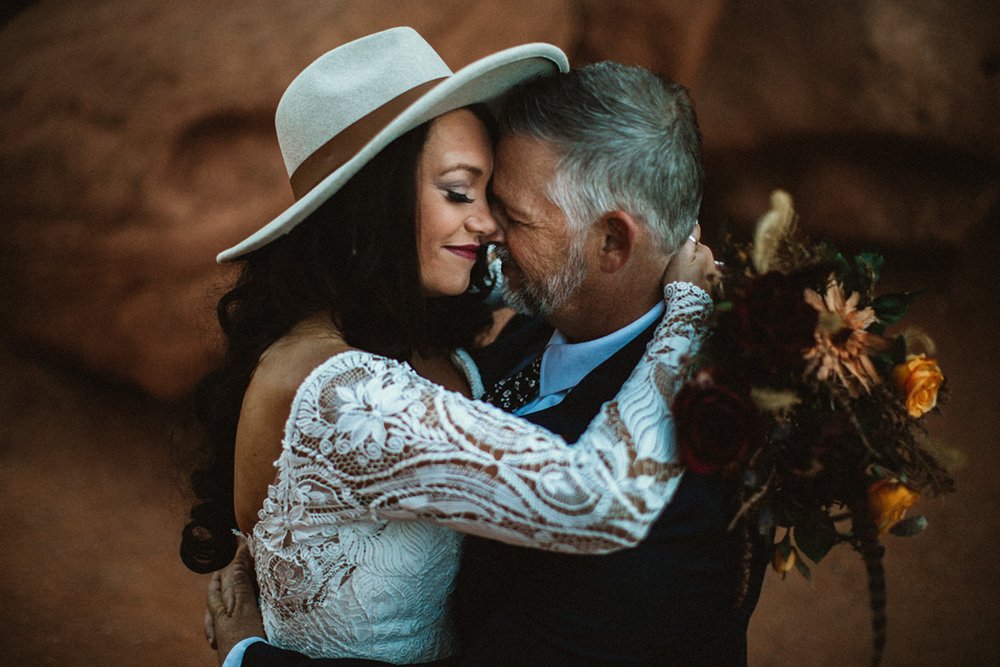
(353, 101)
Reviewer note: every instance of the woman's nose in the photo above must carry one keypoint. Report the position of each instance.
(482, 223)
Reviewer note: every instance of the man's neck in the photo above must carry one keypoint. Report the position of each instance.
(587, 316)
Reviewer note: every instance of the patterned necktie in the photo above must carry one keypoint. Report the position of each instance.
(516, 390)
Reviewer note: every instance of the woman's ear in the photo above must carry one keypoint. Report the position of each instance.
(619, 233)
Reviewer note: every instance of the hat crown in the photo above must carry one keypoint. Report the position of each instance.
(346, 84)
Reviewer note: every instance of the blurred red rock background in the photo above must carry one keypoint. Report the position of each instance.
(136, 141)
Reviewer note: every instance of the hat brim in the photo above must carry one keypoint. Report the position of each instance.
(480, 81)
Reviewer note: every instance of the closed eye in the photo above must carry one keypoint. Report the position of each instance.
(458, 197)
(505, 219)
(500, 211)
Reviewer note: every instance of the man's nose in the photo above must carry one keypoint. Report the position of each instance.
(498, 235)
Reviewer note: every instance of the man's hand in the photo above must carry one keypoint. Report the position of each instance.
(692, 263)
(231, 611)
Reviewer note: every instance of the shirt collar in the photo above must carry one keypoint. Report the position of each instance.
(565, 364)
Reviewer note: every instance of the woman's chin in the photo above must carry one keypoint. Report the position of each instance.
(451, 288)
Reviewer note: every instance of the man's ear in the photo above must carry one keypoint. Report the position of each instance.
(619, 233)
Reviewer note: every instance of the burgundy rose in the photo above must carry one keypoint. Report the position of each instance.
(717, 423)
(822, 457)
(773, 322)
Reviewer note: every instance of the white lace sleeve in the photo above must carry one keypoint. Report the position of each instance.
(369, 438)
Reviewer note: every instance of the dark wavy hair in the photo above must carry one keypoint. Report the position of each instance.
(355, 260)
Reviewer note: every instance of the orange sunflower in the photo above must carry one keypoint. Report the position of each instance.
(843, 346)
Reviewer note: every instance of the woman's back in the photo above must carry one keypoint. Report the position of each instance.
(279, 373)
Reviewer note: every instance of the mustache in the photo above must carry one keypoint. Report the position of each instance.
(503, 254)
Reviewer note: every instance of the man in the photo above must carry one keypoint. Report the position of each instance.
(597, 184)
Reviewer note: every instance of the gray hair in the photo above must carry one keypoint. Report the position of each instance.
(626, 139)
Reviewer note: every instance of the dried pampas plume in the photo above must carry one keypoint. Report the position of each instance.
(774, 239)
(774, 400)
(918, 342)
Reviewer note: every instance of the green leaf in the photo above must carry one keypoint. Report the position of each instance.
(842, 266)
(886, 361)
(816, 537)
(828, 251)
(803, 569)
(898, 350)
(880, 472)
(783, 517)
(910, 526)
(870, 265)
(890, 308)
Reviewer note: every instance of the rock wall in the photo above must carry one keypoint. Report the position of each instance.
(137, 137)
(136, 141)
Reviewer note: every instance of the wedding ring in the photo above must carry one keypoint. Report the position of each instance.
(720, 265)
(693, 239)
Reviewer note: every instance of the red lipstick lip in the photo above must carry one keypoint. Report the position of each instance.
(469, 252)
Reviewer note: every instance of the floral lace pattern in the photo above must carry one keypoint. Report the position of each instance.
(355, 548)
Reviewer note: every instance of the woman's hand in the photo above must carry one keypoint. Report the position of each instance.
(692, 263)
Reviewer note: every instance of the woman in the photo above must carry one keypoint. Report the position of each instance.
(351, 536)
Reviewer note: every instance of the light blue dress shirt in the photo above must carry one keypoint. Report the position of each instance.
(565, 364)
(235, 657)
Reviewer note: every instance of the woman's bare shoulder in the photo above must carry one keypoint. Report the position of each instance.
(286, 364)
(267, 403)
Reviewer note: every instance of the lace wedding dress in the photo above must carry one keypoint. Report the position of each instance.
(355, 549)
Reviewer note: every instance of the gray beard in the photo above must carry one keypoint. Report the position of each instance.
(543, 297)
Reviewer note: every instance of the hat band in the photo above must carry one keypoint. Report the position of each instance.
(344, 145)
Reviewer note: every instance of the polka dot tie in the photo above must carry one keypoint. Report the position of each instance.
(516, 390)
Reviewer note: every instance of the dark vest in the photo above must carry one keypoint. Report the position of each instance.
(668, 601)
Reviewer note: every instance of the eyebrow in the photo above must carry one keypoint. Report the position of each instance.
(463, 167)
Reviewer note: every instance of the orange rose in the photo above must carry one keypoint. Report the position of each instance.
(919, 379)
(888, 501)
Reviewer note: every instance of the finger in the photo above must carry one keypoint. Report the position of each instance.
(713, 268)
(209, 622)
(228, 594)
(237, 586)
(232, 579)
(707, 263)
(713, 277)
(213, 598)
(703, 253)
(688, 252)
(213, 607)
(695, 255)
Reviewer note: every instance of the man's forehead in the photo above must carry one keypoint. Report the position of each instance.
(522, 170)
(505, 165)
(526, 153)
